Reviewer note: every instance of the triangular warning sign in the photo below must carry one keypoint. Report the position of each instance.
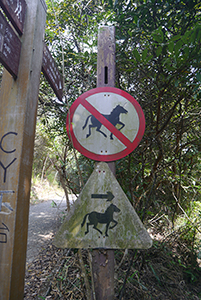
(102, 217)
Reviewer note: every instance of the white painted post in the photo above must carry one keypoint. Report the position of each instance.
(18, 107)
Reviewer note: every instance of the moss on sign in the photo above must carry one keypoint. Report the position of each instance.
(98, 220)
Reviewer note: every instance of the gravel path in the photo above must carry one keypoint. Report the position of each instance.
(44, 221)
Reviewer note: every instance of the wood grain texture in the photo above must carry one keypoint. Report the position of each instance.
(18, 108)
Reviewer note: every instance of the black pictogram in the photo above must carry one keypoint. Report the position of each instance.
(113, 118)
(103, 218)
(109, 196)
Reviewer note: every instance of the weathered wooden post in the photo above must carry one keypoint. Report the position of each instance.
(99, 218)
(103, 260)
(18, 107)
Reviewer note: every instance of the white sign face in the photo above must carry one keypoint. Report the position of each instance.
(102, 217)
(105, 124)
(100, 143)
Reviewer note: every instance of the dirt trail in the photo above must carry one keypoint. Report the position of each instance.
(44, 221)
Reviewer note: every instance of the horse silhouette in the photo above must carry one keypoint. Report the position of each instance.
(113, 118)
(103, 218)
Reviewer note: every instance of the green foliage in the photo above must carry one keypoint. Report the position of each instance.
(158, 62)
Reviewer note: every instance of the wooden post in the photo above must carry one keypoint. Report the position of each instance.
(18, 107)
(103, 260)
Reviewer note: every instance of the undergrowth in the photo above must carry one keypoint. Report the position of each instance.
(170, 269)
(165, 271)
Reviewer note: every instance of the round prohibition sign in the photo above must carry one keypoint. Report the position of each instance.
(105, 124)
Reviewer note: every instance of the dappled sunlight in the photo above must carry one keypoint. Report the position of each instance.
(46, 236)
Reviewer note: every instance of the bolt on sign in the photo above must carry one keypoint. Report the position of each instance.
(102, 217)
(105, 124)
(10, 47)
(15, 11)
(52, 73)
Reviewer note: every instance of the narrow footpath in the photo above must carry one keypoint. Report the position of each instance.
(44, 221)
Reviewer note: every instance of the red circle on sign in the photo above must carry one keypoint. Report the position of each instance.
(130, 145)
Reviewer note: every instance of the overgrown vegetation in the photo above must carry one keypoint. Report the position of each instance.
(162, 272)
(158, 61)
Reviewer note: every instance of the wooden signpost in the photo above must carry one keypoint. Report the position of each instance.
(103, 260)
(52, 73)
(18, 107)
(99, 217)
(10, 47)
(16, 12)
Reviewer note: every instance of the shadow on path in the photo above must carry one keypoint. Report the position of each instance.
(44, 221)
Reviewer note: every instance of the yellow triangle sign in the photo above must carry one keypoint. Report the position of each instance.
(102, 217)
